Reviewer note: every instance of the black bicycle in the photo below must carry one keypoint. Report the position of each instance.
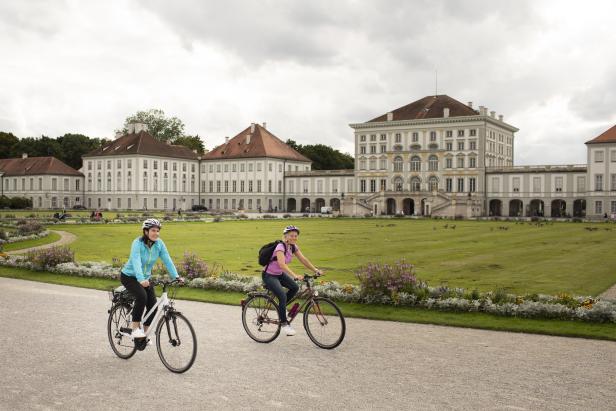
(323, 320)
(176, 341)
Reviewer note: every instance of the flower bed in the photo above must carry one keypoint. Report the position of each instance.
(390, 284)
(17, 238)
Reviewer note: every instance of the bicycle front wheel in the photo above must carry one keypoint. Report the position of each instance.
(176, 342)
(324, 323)
(119, 317)
(260, 318)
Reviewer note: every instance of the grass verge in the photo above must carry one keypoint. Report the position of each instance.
(374, 312)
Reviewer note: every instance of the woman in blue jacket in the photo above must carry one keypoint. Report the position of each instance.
(136, 273)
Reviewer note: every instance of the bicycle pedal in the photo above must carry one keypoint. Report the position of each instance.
(141, 343)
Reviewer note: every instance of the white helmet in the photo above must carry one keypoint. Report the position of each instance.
(151, 222)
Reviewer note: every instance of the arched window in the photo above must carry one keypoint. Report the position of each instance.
(415, 184)
(398, 184)
(415, 163)
(119, 181)
(108, 181)
(398, 164)
(145, 181)
(433, 183)
(433, 163)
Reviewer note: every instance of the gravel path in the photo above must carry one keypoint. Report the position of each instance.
(55, 355)
(65, 238)
(610, 294)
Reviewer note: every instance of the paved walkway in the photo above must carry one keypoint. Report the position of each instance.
(54, 354)
(65, 238)
(610, 294)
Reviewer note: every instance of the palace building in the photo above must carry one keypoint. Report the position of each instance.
(433, 157)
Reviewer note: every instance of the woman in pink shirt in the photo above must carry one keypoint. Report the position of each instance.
(277, 274)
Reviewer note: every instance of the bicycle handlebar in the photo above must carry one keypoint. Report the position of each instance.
(165, 282)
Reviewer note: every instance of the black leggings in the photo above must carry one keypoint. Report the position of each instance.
(274, 283)
(144, 297)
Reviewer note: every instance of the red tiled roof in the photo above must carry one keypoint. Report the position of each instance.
(429, 107)
(262, 144)
(31, 166)
(608, 136)
(142, 143)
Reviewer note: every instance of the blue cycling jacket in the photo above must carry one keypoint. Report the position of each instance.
(142, 259)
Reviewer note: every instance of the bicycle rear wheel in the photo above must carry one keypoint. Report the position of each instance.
(260, 318)
(119, 317)
(324, 323)
(176, 342)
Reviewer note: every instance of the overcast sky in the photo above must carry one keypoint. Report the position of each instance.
(309, 68)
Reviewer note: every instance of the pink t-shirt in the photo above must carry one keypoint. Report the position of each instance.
(273, 267)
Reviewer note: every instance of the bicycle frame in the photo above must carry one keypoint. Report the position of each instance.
(308, 293)
(163, 302)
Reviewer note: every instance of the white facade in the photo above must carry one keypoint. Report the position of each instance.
(45, 191)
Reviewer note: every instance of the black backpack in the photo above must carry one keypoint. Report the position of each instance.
(266, 253)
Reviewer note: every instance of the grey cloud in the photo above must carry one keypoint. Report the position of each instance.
(597, 102)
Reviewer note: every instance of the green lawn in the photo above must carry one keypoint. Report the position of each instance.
(20, 245)
(376, 312)
(559, 257)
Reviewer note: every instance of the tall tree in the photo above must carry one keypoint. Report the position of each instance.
(73, 146)
(192, 142)
(324, 157)
(7, 142)
(160, 126)
(37, 147)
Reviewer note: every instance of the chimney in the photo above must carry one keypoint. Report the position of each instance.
(131, 128)
(470, 104)
(483, 111)
(390, 116)
(492, 114)
(226, 139)
(24, 155)
(252, 128)
(500, 117)
(118, 134)
(264, 125)
(247, 138)
(446, 112)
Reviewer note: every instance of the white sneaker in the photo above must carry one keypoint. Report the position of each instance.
(288, 330)
(137, 333)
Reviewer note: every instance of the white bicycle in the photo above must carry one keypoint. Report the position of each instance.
(176, 341)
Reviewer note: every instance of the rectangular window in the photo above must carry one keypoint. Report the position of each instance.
(473, 132)
(372, 149)
(415, 137)
(372, 186)
(398, 137)
(460, 162)
(460, 145)
(598, 207)
(362, 150)
(305, 186)
(269, 186)
(613, 207)
(598, 182)
(242, 168)
(598, 156)
(362, 186)
(460, 185)
(448, 146)
(515, 183)
(241, 186)
(460, 133)
(613, 156)
(472, 162)
(449, 185)
(250, 186)
(155, 166)
(234, 184)
(558, 184)
(472, 184)
(119, 164)
(448, 163)
(362, 138)
(129, 164)
(250, 167)
(383, 164)
(258, 186)
(472, 145)
(536, 184)
(581, 183)
(145, 163)
(383, 148)
(613, 182)
(495, 184)
(449, 133)
(433, 136)
(372, 137)
(54, 184)
(218, 186)
(383, 137)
